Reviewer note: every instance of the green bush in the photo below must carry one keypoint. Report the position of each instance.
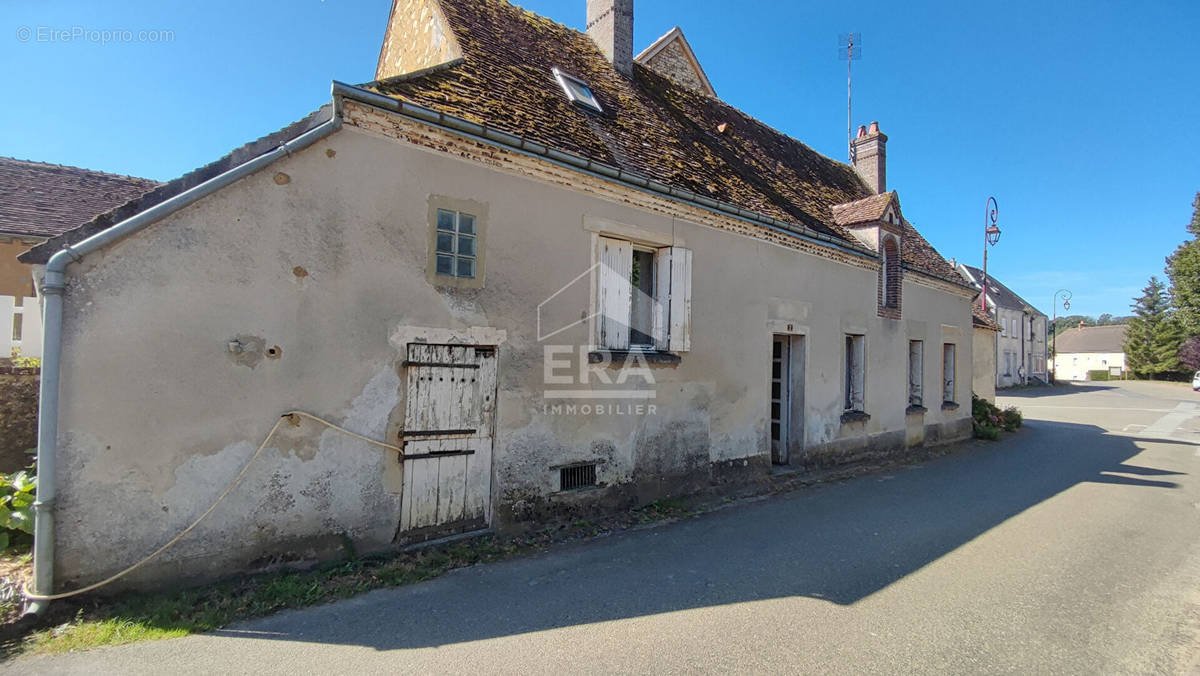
(1098, 374)
(1011, 418)
(16, 508)
(987, 432)
(988, 421)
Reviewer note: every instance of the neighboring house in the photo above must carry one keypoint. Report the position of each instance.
(1089, 348)
(983, 372)
(1021, 342)
(563, 281)
(39, 201)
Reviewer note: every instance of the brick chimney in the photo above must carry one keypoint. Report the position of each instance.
(610, 26)
(870, 157)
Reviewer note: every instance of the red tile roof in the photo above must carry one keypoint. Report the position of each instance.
(650, 125)
(45, 200)
(864, 210)
(978, 318)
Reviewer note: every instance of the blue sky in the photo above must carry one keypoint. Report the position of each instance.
(1081, 118)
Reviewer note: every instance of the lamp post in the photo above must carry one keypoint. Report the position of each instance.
(1066, 301)
(991, 235)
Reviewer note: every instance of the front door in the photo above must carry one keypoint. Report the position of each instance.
(780, 386)
(787, 398)
(449, 415)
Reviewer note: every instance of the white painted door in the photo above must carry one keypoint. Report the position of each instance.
(449, 415)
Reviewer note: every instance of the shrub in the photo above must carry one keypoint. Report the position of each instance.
(24, 362)
(987, 432)
(1011, 417)
(16, 508)
(988, 421)
(1098, 374)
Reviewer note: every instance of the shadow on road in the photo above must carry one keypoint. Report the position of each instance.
(840, 543)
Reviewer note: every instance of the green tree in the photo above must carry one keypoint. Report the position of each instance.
(1183, 267)
(1153, 338)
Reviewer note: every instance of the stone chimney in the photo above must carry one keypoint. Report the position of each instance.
(870, 157)
(610, 26)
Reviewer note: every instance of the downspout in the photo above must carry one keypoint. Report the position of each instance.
(53, 286)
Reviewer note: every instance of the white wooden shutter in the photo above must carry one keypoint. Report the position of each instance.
(858, 367)
(915, 372)
(948, 372)
(662, 298)
(680, 308)
(614, 293)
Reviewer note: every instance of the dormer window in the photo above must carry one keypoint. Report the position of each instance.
(577, 91)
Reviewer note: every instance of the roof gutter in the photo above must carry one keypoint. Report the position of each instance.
(53, 286)
(487, 134)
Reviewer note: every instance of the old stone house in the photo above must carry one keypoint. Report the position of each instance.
(1021, 341)
(561, 279)
(39, 201)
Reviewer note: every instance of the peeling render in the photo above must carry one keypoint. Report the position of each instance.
(329, 271)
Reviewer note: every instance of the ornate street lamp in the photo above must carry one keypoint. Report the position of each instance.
(991, 235)
(1066, 303)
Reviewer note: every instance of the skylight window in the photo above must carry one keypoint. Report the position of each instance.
(577, 91)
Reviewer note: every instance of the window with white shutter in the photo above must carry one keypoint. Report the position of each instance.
(644, 296)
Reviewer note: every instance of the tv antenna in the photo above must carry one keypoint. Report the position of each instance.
(850, 49)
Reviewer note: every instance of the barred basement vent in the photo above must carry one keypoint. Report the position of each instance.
(579, 476)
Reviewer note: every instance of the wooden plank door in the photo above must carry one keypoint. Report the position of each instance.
(448, 421)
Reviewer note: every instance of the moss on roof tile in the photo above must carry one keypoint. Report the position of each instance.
(650, 125)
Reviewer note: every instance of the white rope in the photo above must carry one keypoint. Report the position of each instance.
(290, 416)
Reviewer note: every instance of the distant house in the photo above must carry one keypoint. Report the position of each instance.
(39, 201)
(1021, 342)
(1089, 348)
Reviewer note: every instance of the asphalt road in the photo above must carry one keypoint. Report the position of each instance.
(1070, 547)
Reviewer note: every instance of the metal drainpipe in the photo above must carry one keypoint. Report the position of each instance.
(53, 286)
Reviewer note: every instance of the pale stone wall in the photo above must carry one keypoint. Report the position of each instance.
(1037, 352)
(329, 266)
(1008, 347)
(1075, 365)
(417, 38)
(983, 382)
(672, 62)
